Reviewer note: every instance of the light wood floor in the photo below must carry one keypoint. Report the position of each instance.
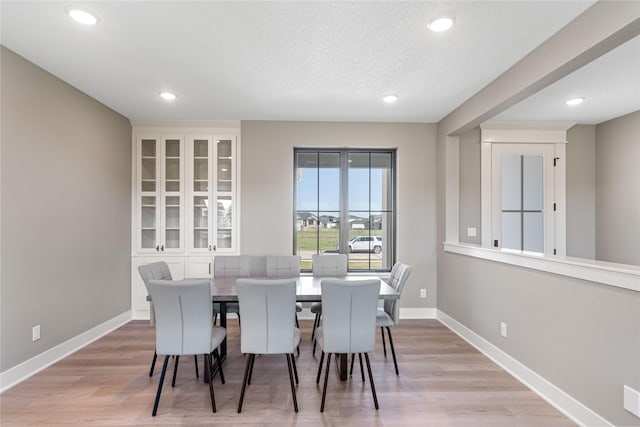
(443, 382)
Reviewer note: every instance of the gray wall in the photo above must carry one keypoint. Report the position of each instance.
(618, 190)
(581, 191)
(267, 188)
(582, 336)
(470, 186)
(66, 211)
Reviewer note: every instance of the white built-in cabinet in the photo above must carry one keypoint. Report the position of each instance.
(185, 204)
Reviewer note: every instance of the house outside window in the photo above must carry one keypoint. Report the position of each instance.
(345, 203)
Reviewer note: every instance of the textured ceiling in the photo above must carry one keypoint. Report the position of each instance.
(281, 60)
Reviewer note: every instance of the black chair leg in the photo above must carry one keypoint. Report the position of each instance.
(361, 370)
(216, 354)
(293, 387)
(393, 351)
(353, 358)
(207, 361)
(384, 347)
(175, 372)
(244, 382)
(320, 368)
(164, 370)
(295, 369)
(153, 363)
(195, 359)
(297, 324)
(326, 379)
(253, 359)
(314, 346)
(313, 331)
(373, 387)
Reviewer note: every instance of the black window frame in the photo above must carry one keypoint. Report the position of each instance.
(344, 208)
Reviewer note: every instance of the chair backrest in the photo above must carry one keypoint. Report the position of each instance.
(156, 270)
(184, 318)
(258, 266)
(349, 310)
(332, 265)
(268, 311)
(231, 266)
(283, 266)
(398, 278)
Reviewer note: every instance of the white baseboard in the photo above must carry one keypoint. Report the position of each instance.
(557, 398)
(405, 313)
(417, 313)
(21, 372)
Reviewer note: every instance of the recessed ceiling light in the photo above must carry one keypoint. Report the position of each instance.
(390, 98)
(82, 17)
(574, 101)
(440, 24)
(168, 96)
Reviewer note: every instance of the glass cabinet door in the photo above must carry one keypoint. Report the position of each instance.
(201, 179)
(172, 195)
(225, 194)
(148, 199)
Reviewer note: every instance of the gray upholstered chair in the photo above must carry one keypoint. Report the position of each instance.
(267, 308)
(329, 265)
(348, 323)
(158, 271)
(230, 266)
(284, 267)
(184, 325)
(389, 315)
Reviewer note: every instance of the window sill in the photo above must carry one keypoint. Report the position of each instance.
(619, 275)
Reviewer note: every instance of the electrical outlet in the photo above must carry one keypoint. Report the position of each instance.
(35, 333)
(423, 293)
(503, 329)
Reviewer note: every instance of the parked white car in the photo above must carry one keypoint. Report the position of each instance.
(366, 244)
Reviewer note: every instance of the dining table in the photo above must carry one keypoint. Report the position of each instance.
(308, 289)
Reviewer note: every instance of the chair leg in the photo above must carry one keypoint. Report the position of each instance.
(207, 361)
(384, 347)
(175, 372)
(373, 387)
(195, 359)
(326, 379)
(215, 318)
(164, 370)
(293, 387)
(253, 359)
(353, 358)
(244, 382)
(297, 324)
(295, 369)
(153, 363)
(314, 347)
(216, 354)
(316, 320)
(393, 351)
(361, 370)
(320, 368)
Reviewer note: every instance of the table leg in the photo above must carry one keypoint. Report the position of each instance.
(342, 367)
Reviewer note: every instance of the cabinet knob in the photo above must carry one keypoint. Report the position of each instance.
(162, 248)
(157, 248)
(209, 248)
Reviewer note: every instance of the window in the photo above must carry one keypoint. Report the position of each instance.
(345, 203)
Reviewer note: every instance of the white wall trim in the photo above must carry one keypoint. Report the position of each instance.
(619, 275)
(557, 398)
(21, 372)
(417, 313)
(405, 313)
